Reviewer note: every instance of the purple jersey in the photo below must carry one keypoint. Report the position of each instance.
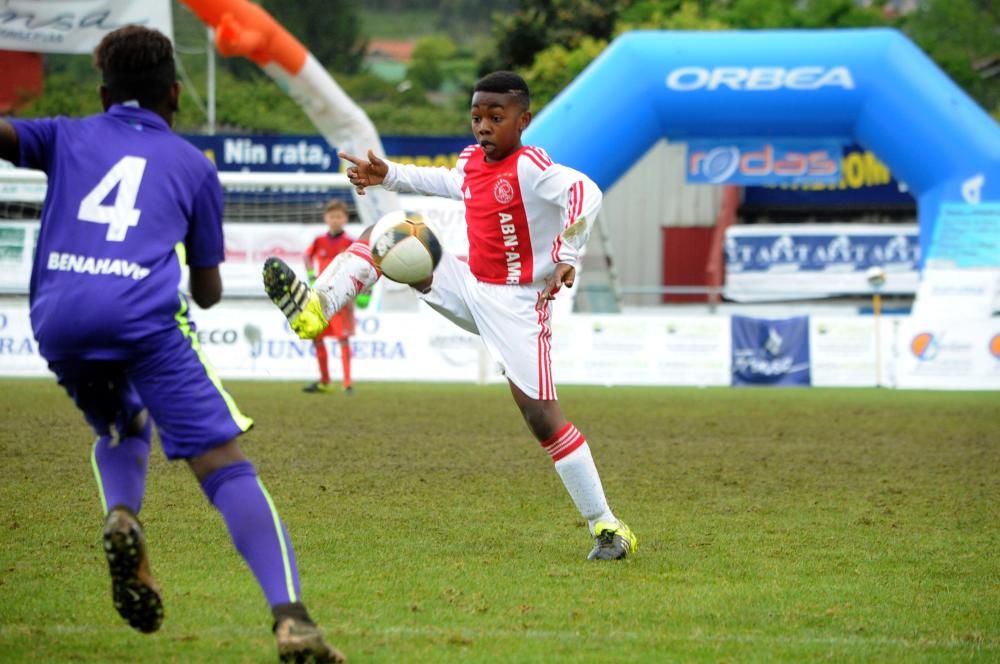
(128, 200)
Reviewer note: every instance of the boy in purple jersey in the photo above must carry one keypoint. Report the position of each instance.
(128, 203)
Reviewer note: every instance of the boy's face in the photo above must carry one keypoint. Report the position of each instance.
(498, 119)
(335, 220)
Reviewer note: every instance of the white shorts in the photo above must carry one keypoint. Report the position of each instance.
(512, 321)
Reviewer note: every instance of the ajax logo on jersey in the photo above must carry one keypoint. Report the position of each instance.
(503, 191)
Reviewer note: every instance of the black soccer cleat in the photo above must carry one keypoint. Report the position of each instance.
(299, 639)
(134, 591)
(612, 541)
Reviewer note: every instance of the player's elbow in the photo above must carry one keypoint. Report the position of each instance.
(206, 300)
(206, 286)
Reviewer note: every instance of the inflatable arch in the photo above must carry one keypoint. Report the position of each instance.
(870, 86)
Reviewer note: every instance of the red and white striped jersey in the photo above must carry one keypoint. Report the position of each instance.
(523, 214)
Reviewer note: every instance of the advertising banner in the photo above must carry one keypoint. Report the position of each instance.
(17, 248)
(781, 261)
(18, 350)
(758, 162)
(770, 352)
(311, 153)
(865, 181)
(640, 350)
(75, 26)
(966, 237)
(952, 355)
(842, 351)
(251, 340)
(957, 294)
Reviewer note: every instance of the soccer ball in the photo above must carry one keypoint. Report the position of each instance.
(404, 248)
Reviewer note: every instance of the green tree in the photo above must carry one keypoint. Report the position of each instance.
(959, 35)
(555, 67)
(539, 24)
(330, 29)
(428, 55)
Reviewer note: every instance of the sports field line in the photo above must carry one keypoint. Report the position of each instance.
(991, 643)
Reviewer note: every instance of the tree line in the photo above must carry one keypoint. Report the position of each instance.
(548, 41)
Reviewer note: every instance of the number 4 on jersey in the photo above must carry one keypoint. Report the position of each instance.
(127, 176)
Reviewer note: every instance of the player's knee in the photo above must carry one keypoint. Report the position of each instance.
(542, 417)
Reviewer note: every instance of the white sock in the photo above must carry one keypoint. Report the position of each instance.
(348, 274)
(576, 468)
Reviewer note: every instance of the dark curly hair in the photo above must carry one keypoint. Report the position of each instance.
(505, 82)
(136, 63)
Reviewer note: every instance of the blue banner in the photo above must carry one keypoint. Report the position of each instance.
(771, 352)
(966, 236)
(865, 181)
(308, 153)
(757, 162)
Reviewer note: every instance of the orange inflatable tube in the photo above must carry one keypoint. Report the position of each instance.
(244, 28)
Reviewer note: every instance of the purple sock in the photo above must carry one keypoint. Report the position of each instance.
(256, 530)
(120, 470)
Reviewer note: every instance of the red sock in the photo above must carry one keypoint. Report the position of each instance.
(345, 360)
(322, 358)
(564, 442)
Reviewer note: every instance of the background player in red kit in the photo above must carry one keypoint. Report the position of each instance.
(527, 220)
(319, 255)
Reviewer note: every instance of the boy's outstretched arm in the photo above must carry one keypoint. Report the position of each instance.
(365, 173)
(8, 142)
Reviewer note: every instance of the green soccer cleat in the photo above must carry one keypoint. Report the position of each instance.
(300, 304)
(133, 590)
(613, 541)
(318, 388)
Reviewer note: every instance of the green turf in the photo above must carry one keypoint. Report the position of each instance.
(774, 525)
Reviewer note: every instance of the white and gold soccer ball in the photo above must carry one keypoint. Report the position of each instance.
(404, 248)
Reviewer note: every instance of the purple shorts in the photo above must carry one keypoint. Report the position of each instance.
(167, 375)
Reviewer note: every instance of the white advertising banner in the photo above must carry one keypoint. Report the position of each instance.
(17, 247)
(641, 350)
(18, 350)
(953, 355)
(842, 350)
(957, 294)
(246, 339)
(251, 340)
(75, 26)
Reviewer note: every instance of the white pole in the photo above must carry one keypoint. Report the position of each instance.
(211, 80)
(876, 279)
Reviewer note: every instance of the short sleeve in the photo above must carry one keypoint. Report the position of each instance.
(36, 139)
(205, 244)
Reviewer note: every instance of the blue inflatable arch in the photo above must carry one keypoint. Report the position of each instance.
(872, 86)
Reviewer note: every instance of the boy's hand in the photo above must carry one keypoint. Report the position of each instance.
(365, 173)
(564, 275)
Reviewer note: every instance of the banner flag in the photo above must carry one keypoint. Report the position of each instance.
(75, 26)
(770, 352)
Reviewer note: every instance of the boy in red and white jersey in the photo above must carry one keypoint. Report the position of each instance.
(323, 250)
(528, 220)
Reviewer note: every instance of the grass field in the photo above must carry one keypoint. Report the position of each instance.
(774, 525)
